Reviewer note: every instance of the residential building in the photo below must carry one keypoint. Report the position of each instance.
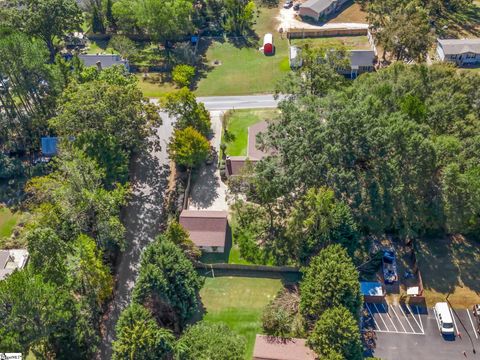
(12, 259)
(361, 61)
(462, 52)
(207, 229)
(103, 61)
(318, 9)
(275, 348)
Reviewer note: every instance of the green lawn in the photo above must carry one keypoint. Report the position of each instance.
(349, 42)
(155, 89)
(238, 122)
(8, 220)
(246, 70)
(239, 302)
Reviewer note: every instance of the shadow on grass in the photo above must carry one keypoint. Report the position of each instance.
(449, 262)
(455, 24)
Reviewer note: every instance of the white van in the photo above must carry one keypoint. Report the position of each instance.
(444, 318)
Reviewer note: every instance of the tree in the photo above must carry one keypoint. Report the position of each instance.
(139, 336)
(97, 21)
(123, 45)
(180, 237)
(167, 283)
(318, 220)
(105, 106)
(46, 19)
(330, 280)
(183, 105)
(47, 254)
(204, 341)
(165, 20)
(188, 147)
(124, 14)
(182, 75)
(336, 333)
(34, 313)
(240, 16)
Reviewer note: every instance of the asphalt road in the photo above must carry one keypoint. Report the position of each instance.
(239, 102)
(406, 334)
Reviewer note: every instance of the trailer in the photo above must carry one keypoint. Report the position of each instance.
(268, 47)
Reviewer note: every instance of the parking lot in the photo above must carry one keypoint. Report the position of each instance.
(411, 332)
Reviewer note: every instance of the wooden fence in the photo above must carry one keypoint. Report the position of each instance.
(296, 33)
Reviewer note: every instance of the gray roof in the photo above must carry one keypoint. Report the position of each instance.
(460, 46)
(362, 57)
(4, 256)
(317, 5)
(106, 60)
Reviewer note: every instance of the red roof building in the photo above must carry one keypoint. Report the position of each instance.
(207, 229)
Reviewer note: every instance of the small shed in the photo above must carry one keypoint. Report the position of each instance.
(295, 57)
(208, 229)
(268, 44)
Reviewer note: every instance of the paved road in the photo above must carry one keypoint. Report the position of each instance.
(143, 218)
(239, 102)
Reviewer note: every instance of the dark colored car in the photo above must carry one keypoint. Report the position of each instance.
(296, 7)
(476, 314)
(288, 4)
(389, 264)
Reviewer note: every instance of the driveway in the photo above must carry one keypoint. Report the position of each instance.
(209, 192)
(142, 218)
(287, 20)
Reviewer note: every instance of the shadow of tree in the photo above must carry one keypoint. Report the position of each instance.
(205, 190)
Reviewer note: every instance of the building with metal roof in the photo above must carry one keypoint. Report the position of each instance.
(462, 52)
(317, 9)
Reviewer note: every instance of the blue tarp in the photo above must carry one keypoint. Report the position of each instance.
(49, 146)
(371, 288)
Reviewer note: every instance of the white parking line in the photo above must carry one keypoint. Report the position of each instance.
(373, 317)
(454, 322)
(390, 317)
(419, 318)
(411, 327)
(413, 316)
(471, 322)
(381, 318)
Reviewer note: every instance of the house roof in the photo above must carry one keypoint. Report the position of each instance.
(206, 228)
(362, 57)
(274, 348)
(11, 260)
(460, 46)
(107, 60)
(4, 255)
(317, 5)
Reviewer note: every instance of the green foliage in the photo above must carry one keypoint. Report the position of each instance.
(204, 341)
(33, 313)
(330, 280)
(164, 20)
(184, 107)
(180, 237)
(97, 21)
(188, 147)
(45, 19)
(140, 337)
(125, 16)
(318, 220)
(182, 75)
(123, 45)
(168, 282)
(240, 16)
(336, 335)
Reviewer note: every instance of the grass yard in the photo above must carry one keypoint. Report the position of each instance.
(349, 42)
(238, 122)
(450, 265)
(239, 302)
(154, 89)
(351, 13)
(245, 70)
(8, 221)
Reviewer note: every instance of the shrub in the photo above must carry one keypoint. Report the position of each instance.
(182, 75)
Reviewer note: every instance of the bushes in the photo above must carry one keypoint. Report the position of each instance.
(182, 75)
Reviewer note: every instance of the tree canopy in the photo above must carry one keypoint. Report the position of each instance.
(188, 147)
(330, 280)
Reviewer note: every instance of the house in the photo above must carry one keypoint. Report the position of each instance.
(462, 52)
(234, 164)
(318, 9)
(361, 61)
(268, 44)
(207, 229)
(10, 260)
(103, 61)
(274, 348)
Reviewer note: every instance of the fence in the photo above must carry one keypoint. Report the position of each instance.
(295, 33)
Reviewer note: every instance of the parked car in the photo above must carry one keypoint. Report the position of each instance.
(389, 265)
(288, 4)
(296, 7)
(212, 156)
(443, 315)
(476, 314)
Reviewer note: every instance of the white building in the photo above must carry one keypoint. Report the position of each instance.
(462, 52)
(12, 259)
